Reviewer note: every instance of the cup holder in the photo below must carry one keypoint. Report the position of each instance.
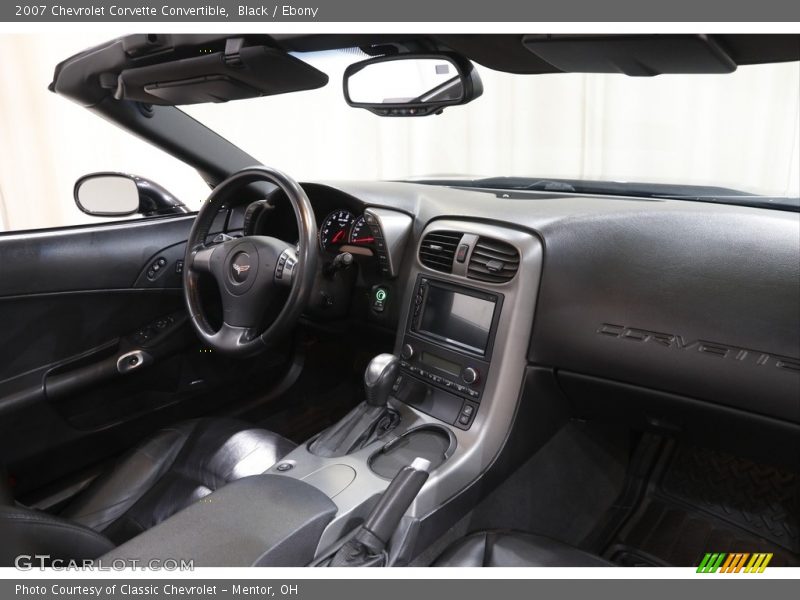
(430, 442)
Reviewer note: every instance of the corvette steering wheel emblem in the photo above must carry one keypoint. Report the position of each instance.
(240, 267)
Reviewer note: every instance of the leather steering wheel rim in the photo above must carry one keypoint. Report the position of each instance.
(249, 269)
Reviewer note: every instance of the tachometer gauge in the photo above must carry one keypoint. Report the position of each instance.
(335, 230)
(361, 233)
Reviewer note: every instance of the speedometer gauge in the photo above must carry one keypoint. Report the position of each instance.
(335, 230)
(361, 233)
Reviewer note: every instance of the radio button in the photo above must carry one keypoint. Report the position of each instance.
(407, 352)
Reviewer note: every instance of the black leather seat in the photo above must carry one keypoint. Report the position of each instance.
(167, 472)
(511, 549)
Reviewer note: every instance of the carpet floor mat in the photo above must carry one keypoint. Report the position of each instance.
(698, 500)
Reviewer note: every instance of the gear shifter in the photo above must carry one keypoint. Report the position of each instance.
(379, 378)
(369, 420)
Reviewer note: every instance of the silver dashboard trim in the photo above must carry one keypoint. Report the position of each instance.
(396, 227)
(478, 446)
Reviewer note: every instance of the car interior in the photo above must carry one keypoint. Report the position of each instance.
(450, 372)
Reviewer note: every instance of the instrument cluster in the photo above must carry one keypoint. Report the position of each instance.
(343, 228)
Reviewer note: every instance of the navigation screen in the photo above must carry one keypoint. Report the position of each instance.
(457, 319)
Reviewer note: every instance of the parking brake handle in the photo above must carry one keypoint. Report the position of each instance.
(368, 545)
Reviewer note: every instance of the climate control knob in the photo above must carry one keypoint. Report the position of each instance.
(470, 376)
(407, 351)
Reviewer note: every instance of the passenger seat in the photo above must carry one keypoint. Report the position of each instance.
(512, 549)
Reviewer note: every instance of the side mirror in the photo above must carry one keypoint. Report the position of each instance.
(120, 195)
(411, 85)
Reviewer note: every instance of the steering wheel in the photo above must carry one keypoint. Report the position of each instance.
(250, 270)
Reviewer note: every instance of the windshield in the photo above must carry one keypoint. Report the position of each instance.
(738, 131)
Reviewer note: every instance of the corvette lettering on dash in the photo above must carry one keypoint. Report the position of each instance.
(717, 349)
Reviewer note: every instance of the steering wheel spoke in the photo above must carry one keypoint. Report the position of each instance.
(200, 259)
(232, 337)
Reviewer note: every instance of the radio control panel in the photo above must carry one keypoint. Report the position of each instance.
(446, 349)
(468, 384)
(440, 382)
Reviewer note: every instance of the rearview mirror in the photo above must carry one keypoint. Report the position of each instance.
(121, 195)
(411, 85)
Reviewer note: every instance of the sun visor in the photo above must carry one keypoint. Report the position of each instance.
(237, 73)
(641, 56)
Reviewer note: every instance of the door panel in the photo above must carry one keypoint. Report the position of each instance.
(43, 329)
(100, 257)
(74, 302)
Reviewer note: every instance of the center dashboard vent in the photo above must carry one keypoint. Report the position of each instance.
(493, 261)
(438, 249)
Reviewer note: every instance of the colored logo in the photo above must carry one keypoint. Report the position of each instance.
(737, 562)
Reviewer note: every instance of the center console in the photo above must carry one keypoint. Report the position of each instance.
(469, 293)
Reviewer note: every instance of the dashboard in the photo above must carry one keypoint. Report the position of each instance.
(636, 292)
(687, 316)
(627, 310)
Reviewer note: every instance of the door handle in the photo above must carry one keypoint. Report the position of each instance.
(133, 361)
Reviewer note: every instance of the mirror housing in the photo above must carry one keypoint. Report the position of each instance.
(433, 82)
(109, 194)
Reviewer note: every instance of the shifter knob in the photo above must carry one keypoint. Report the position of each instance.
(379, 378)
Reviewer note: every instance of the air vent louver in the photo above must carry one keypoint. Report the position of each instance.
(438, 249)
(493, 261)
